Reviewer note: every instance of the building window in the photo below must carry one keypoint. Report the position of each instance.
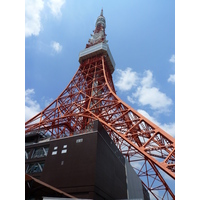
(54, 152)
(79, 140)
(40, 152)
(35, 168)
(64, 151)
(27, 153)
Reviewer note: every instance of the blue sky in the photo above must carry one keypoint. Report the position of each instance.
(141, 37)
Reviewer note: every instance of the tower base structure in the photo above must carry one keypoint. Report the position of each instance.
(86, 166)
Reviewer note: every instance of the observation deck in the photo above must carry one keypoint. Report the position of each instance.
(98, 49)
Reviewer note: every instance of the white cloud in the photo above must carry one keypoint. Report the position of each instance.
(126, 79)
(171, 78)
(145, 114)
(33, 10)
(152, 96)
(56, 46)
(147, 80)
(146, 93)
(169, 128)
(55, 6)
(130, 99)
(32, 107)
(172, 59)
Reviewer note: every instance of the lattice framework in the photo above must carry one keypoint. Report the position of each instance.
(91, 96)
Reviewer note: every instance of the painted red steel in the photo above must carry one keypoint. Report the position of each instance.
(91, 96)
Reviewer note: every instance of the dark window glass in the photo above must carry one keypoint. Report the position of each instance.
(35, 168)
(27, 153)
(40, 152)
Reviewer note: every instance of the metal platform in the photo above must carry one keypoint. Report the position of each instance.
(98, 49)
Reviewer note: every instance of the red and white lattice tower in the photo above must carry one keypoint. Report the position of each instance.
(91, 96)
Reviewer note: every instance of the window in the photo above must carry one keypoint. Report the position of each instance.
(35, 168)
(79, 140)
(64, 151)
(27, 153)
(40, 152)
(54, 153)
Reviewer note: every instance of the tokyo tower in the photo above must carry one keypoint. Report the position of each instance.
(91, 96)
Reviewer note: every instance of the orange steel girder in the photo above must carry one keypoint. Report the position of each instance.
(91, 96)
